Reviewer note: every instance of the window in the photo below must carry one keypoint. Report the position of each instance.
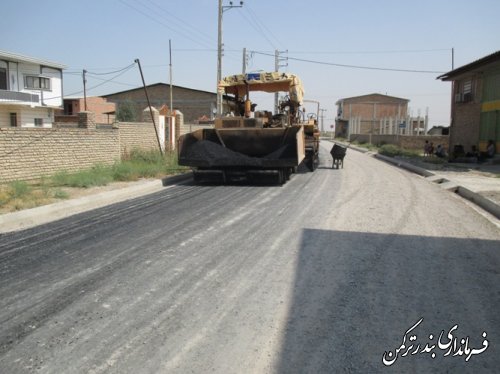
(37, 83)
(3, 79)
(464, 92)
(38, 122)
(13, 119)
(467, 87)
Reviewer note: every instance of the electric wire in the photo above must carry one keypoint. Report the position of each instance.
(162, 23)
(354, 66)
(111, 72)
(185, 25)
(257, 28)
(258, 20)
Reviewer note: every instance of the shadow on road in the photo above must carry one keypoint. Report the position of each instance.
(356, 294)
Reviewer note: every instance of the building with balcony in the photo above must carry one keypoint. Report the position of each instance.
(30, 90)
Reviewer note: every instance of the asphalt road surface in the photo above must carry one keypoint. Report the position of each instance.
(335, 271)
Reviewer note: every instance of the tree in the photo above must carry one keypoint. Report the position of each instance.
(125, 112)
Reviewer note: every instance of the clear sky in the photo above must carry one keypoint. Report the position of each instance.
(103, 36)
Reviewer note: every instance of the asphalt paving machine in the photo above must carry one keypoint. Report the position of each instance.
(249, 145)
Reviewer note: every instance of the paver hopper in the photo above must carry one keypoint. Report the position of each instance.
(252, 146)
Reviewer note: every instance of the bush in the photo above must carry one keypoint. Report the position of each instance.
(98, 175)
(18, 189)
(390, 150)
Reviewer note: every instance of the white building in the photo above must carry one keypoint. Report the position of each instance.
(30, 90)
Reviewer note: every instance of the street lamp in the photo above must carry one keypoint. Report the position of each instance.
(222, 9)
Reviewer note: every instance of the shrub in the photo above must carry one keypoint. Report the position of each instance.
(390, 150)
(19, 189)
(98, 175)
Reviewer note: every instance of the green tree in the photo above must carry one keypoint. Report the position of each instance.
(125, 111)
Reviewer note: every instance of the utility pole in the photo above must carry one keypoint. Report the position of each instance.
(84, 89)
(277, 66)
(170, 71)
(222, 9)
(244, 70)
(149, 104)
(322, 119)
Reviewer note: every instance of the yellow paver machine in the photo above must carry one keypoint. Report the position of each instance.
(249, 145)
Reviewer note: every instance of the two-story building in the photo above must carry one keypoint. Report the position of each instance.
(363, 114)
(475, 107)
(30, 90)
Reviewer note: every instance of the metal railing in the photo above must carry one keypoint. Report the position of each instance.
(16, 97)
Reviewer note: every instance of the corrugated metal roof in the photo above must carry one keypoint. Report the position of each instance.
(15, 57)
(473, 65)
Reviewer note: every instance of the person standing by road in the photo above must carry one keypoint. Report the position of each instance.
(426, 148)
(490, 150)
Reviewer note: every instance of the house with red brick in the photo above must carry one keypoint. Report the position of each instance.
(103, 109)
(475, 104)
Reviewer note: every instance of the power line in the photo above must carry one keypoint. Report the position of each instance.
(112, 72)
(354, 66)
(257, 19)
(372, 52)
(183, 24)
(258, 28)
(161, 23)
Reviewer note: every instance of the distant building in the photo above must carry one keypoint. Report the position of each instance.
(192, 103)
(439, 130)
(475, 109)
(364, 114)
(30, 90)
(104, 111)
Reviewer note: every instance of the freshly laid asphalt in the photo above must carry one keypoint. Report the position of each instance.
(321, 275)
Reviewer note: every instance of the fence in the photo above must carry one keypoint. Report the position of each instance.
(30, 153)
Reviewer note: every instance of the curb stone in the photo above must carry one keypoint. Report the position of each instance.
(481, 201)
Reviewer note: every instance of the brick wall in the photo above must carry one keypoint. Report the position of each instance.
(29, 153)
(137, 135)
(404, 141)
(466, 117)
(192, 103)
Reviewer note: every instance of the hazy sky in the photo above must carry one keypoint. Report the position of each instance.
(107, 35)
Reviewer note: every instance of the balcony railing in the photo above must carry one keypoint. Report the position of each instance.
(18, 97)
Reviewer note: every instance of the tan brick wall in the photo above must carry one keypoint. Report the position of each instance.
(29, 153)
(140, 135)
